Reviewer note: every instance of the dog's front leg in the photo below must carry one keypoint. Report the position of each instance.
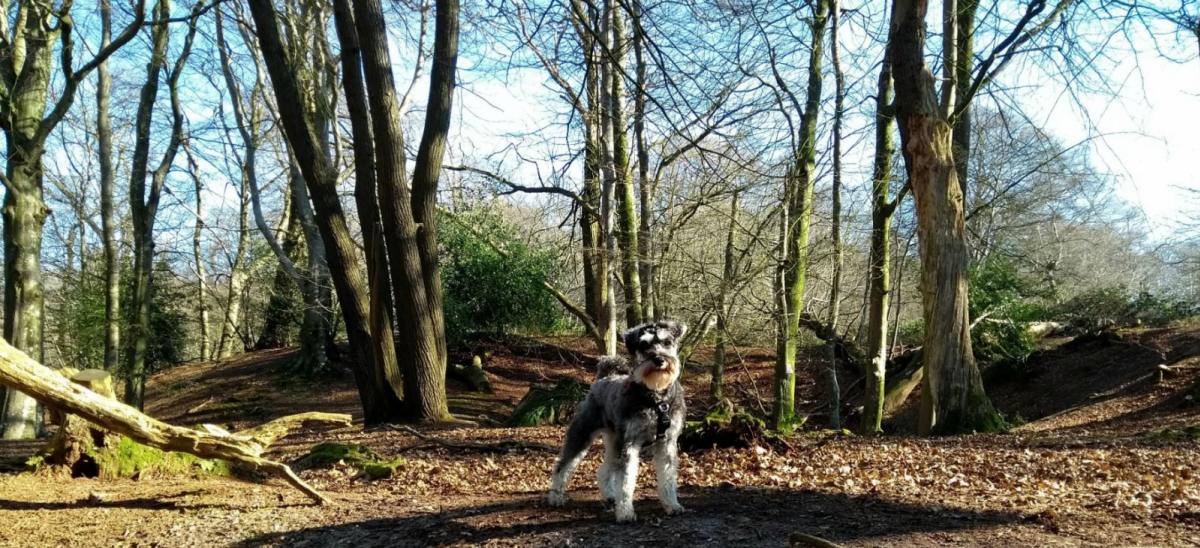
(605, 474)
(666, 474)
(626, 470)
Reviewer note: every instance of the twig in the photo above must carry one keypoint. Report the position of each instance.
(501, 447)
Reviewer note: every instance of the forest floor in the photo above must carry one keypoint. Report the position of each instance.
(1106, 458)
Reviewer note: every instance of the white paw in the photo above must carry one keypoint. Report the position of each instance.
(626, 515)
(557, 498)
(673, 509)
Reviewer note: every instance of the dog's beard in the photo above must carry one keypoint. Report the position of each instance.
(658, 378)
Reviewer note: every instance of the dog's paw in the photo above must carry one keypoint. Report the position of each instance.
(626, 515)
(674, 509)
(610, 502)
(556, 498)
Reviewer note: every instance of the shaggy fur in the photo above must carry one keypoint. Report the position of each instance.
(633, 405)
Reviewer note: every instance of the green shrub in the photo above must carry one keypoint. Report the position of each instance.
(996, 289)
(358, 456)
(487, 291)
(1116, 306)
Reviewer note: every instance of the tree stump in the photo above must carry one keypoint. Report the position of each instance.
(77, 440)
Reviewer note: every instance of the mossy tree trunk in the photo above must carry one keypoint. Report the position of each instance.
(627, 222)
(798, 194)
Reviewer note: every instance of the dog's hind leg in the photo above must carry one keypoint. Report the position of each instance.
(604, 475)
(666, 474)
(579, 438)
(625, 479)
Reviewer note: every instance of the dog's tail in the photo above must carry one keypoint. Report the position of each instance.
(611, 365)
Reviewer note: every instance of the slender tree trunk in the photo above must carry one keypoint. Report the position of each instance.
(835, 284)
(198, 256)
(104, 137)
(386, 371)
(627, 231)
(608, 181)
(879, 276)
(717, 387)
(645, 242)
(230, 338)
(143, 202)
(595, 258)
(799, 219)
(954, 398)
(964, 64)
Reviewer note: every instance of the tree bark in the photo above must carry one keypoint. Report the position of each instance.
(421, 344)
(379, 402)
(954, 398)
(645, 242)
(728, 273)
(104, 137)
(386, 371)
(198, 257)
(431, 404)
(627, 223)
(798, 194)
(143, 202)
(835, 285)
(879, 262)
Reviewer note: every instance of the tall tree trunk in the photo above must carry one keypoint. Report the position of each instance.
(198, 257)
(596, 262)
(143, 202)
(627, 231)
(964, 64)
(645, 242)
(609, 178)
(717, 387)
(954, 399)
(386, 371)
(379, 402)
(430, 155)
(798, 221)
(879, 262)
(420, 347)
(104, 137)
(833, 390)
(231, 340)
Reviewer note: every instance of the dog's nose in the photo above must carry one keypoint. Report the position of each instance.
(659, 360)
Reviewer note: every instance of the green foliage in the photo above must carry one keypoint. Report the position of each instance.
(130, 459)
(487, 291)
(1116, 306)
(1003, 337)
(549, 405)
(358, 456)
(1187, 433)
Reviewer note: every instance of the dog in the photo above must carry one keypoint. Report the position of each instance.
(633, 405)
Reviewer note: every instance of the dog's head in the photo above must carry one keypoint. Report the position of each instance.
(655, 351)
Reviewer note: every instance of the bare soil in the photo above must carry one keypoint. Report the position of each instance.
(1096, 465)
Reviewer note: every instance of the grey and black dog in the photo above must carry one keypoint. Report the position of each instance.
(634, 406)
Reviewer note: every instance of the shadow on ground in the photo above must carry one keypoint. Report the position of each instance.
(725, 516)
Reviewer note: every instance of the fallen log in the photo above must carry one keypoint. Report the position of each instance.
(20, 372)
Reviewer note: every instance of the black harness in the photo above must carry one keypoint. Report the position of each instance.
(661, 407)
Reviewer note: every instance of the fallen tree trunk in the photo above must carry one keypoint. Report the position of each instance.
(19, 371)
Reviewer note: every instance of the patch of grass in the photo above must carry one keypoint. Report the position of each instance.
(130, 459)
(358, 456)
(549, 405)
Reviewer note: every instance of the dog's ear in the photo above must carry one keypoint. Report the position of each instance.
(677, 329)
(631, 338)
